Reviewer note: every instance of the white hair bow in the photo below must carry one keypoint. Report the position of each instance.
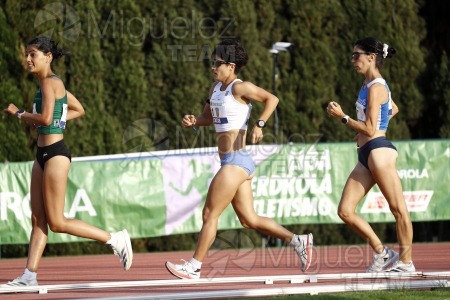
(385, 50)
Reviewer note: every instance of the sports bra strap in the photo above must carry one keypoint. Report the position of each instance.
(376, 80)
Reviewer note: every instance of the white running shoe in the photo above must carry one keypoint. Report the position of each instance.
(381, 262)
(122, 248)
(400, 266)
(304, 250)
(184, 271)
(21, 282)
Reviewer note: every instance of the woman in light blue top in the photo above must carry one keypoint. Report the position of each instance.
(376, 158)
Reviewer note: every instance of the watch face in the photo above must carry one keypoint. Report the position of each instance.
(261, 123)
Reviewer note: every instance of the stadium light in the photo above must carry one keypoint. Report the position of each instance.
(279, 46)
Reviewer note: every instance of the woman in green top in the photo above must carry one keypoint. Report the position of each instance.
(52, 107)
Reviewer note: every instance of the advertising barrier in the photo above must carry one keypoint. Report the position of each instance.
(162, 193)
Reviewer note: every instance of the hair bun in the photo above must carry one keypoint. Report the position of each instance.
(58, 53)
(387, 51)
(391, 52)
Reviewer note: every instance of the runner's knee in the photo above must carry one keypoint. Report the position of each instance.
(398, 212)
(247, 224)
(57, 226)
(345, 214)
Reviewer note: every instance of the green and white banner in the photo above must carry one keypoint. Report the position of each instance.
(162, 193)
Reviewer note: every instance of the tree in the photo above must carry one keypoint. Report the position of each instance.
(441, 97)
(13, 138)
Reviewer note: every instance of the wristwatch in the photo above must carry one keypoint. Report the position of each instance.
(20, 112)
(345, 119)
(261, 123)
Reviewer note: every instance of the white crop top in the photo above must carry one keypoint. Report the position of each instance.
(226, 111)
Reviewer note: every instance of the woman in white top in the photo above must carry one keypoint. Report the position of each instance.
(377, 158)
(228, 108)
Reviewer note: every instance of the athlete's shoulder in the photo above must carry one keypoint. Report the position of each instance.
(53, 81)
(377, 86)
(378, 91)
(243, 85)
(377, 82)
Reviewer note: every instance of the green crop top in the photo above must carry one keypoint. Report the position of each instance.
(59, 113)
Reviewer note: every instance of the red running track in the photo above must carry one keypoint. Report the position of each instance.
(224, 263)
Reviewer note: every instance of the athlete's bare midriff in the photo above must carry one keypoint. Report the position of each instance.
(230, 141)
(48, 139)
(362, 138)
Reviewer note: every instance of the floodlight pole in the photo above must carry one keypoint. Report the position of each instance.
(275, 75)
(277, 47)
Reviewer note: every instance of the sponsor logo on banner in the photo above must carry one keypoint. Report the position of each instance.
(298, 186)
(416, 201)
(413, 173)
(14, 206)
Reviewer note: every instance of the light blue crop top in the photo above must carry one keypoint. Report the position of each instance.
(385, 110)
